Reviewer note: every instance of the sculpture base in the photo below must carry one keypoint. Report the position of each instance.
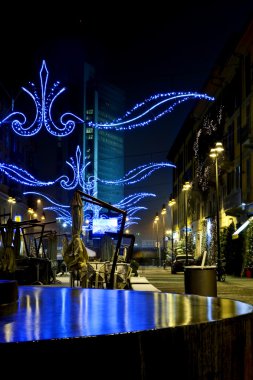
(126, 334)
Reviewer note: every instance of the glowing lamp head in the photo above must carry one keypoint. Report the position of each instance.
(186, 186)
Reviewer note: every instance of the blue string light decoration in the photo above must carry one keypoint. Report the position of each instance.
(153, 105)
(139, 174)
(44, 101)
(130, 203)
(63, 212)
(140, 115)
(133, 176)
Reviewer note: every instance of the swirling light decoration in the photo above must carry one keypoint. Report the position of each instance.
(134, 118)
(151, 106)
(133, 176)
(43, 114)
(154, 107)
(139, 174)
(62, 211)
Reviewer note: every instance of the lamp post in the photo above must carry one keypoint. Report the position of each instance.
(214, 153)
(186, 187)
(171, 203)
(163, 213)
(30, 212)
(86, 231)
(12, 201)
(156, 221)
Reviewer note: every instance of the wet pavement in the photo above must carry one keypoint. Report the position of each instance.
(236, 288)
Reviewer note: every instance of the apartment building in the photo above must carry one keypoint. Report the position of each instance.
(228, 120)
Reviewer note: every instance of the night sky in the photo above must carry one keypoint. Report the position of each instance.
(144, 51)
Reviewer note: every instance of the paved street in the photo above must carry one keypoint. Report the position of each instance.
(234, 288)
(240, 289)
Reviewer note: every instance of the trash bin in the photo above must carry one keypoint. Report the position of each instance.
(200, 280)
(248, 272)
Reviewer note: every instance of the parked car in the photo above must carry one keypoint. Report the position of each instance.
(180, 262)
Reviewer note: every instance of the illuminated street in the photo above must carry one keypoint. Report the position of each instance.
(234, 287)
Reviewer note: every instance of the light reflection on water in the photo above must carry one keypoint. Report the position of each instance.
(52, 313)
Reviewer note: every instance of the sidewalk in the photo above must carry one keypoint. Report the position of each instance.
(236, 288)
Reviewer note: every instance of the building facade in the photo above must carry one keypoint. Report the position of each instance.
(229, 120)
(104, 149)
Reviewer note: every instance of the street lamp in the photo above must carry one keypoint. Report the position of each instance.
(30, 212)
(156, 221)
(171, 203)
(163, 213)
(214, 153)
(186, 187)
(12, 201)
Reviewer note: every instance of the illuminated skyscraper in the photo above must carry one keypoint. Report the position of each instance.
(103, 149)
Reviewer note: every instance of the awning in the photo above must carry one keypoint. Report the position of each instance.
(241, 228)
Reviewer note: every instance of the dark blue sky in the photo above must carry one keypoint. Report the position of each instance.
(144, 51)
